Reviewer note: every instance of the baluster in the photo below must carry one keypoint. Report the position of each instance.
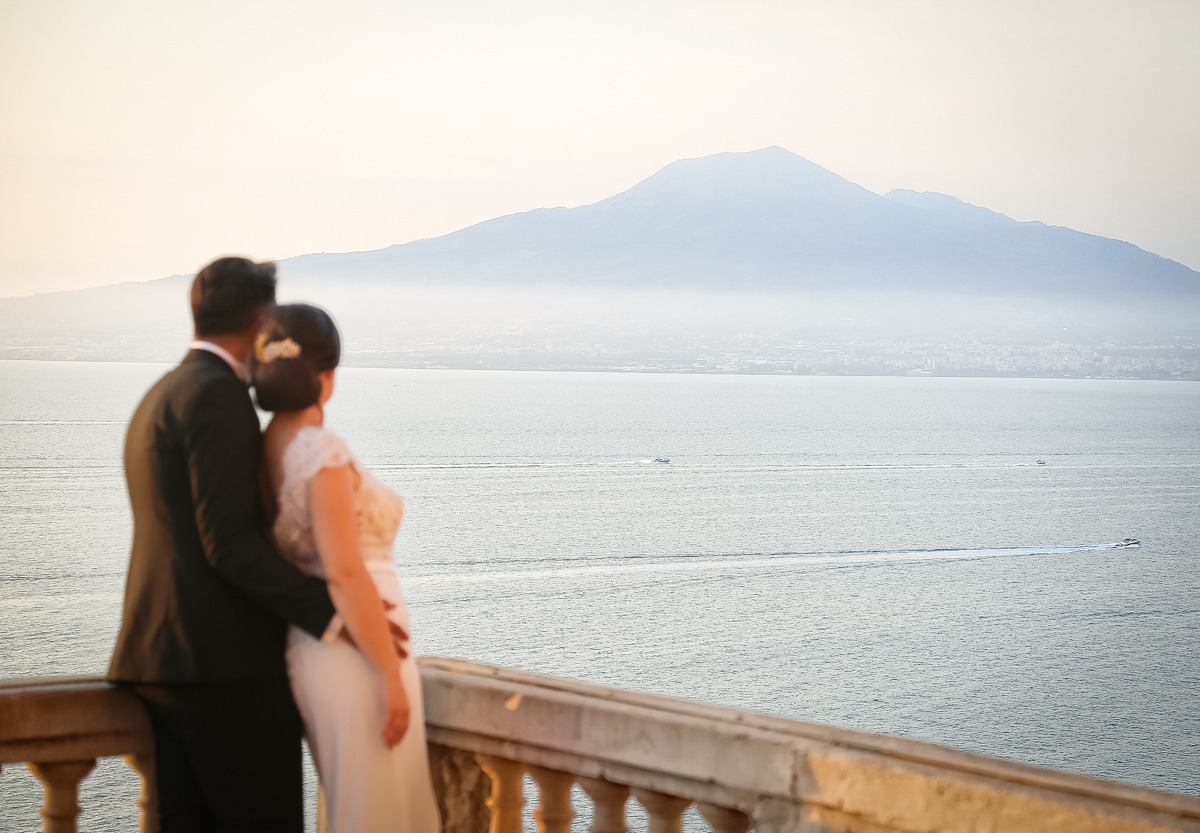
(554, 811)
(462, 789)
(608, 800)
(666, 811)
(61, 784)
(143, 764)
(724, 819)
(508, 793)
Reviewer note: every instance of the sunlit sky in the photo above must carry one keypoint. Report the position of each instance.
(141, 138)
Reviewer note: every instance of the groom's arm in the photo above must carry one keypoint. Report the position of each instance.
(224, 446)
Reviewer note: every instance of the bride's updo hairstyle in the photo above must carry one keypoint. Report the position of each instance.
(297, 342)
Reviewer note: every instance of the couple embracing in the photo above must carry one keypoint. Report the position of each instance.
(261, 603)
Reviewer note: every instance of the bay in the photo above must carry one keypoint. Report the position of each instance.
(879, 553)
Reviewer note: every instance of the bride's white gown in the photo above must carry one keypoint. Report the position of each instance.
(368, 787)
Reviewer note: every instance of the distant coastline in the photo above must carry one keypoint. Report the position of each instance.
(1151, 367)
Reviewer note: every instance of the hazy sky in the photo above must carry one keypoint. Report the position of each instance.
(140, 138)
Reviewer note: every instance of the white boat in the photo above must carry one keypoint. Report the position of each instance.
(1040, 461)
(1129, 542)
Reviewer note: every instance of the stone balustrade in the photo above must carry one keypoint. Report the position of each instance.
(60, 726)
(494, 733)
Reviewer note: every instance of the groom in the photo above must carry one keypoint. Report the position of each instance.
(208, 599)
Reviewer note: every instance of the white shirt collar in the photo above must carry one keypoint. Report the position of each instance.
(239, 368)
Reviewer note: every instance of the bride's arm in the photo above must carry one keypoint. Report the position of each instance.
(353, 592)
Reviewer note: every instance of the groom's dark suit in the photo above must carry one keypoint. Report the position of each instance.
(207, 604)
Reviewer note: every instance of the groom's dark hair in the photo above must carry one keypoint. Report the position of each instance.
(228, 293)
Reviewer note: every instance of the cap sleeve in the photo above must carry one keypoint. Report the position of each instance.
(311, 450)
(315, 449)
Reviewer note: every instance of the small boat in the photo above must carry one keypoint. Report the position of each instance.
(1040, 461)
(662, 459)
(1129, 542)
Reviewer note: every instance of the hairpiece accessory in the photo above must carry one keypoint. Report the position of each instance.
(268, 352)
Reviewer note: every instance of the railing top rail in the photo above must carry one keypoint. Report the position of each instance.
(65, 718)
(757, 763)
(504, 693)
(81, 682)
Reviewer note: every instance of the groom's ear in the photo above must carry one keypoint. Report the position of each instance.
(259, 317)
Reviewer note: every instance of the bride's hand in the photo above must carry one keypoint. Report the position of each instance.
(396, 714)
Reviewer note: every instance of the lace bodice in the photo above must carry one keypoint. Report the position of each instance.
(378, 509)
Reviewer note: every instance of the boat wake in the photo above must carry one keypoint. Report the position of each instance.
(540, 464)
(740, 467)
(64, 422)
(726, 562)
(584, 464)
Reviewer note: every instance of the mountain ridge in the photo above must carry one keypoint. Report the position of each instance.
(761, 220)
(768, 219)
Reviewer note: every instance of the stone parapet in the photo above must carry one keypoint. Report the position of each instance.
(741, 768)
(494, 733)
(59, 726)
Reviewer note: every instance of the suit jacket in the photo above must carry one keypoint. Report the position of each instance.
(207, 598)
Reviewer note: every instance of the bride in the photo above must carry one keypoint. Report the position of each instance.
(361, 708)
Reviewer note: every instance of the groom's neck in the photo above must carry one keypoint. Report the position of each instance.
(239, 345)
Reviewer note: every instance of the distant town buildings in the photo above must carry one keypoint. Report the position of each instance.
(758, 354)
(563, 347)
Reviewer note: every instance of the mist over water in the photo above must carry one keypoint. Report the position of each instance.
(605, 327)
(702, 313)
(879, 553)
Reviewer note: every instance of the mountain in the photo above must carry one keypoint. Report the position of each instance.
(767, 219)
(734, 249)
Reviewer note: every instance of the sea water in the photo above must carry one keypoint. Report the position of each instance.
(885, 554)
